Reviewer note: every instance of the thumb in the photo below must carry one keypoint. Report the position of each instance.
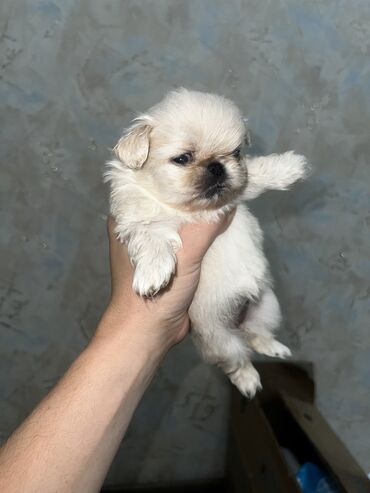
(198, 237)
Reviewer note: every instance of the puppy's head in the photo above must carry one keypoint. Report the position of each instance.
(187, 150)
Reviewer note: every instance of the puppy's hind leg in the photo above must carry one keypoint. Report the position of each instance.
(227, 349)
(246, 379)
(260, 322)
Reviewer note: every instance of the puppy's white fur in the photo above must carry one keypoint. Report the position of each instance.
(234, 311)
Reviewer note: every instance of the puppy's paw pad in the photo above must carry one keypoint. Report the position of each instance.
(247, 380)
(270, 347)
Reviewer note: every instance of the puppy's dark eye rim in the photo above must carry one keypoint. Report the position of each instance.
(184, 158)
(236, 152)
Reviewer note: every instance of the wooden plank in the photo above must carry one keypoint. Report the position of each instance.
(296, 378)
(206, 486)
(253, 447)
(329, 447)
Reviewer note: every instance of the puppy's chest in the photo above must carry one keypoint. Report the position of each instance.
(236, 260)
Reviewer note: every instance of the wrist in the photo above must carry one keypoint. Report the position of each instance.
(124, 328)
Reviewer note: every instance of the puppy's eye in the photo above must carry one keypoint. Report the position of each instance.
(182, 159)
(236, 153)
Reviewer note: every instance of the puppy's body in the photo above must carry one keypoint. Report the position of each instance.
(181, 163)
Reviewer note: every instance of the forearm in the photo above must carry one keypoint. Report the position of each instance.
(69, 441)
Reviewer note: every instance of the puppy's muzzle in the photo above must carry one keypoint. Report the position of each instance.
(217, 171)
(214, 179)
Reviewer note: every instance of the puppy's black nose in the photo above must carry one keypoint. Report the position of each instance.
(217, 170)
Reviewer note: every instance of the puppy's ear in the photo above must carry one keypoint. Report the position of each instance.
(132, 149)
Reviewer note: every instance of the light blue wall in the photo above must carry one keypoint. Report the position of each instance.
(73, 73)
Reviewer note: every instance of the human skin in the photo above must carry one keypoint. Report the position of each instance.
(69, 441)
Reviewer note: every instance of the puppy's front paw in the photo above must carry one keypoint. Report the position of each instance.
(293, 167)
(152, 275)
(247, 380)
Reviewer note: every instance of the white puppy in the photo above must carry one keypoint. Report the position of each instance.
(183, 161)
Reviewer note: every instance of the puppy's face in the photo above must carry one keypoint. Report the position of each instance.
(187, 150)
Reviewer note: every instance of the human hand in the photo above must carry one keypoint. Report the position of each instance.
(164, 319)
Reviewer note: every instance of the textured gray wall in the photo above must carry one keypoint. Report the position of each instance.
(72, 75)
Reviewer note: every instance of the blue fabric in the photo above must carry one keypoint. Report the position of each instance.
(312, 479)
